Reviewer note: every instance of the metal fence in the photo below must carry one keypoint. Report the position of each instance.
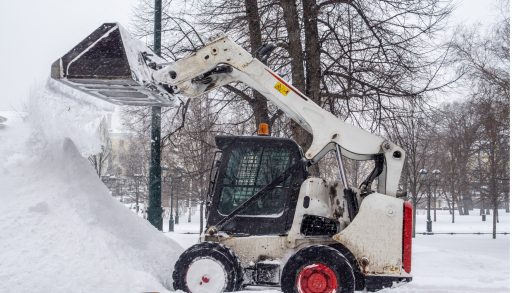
(461, 233)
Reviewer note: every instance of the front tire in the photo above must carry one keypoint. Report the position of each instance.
(318, 269)
(208, 267)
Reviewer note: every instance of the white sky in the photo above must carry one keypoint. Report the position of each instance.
(35, 33)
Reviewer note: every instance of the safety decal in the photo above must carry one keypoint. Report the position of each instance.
(283, 89)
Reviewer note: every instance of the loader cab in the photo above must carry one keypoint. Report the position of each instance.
(246, 165)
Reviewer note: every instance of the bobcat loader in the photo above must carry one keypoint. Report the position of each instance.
(268, 222)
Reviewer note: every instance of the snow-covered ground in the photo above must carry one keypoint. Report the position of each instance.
(461, 263)
(62, 232)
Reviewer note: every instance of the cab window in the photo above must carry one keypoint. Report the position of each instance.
(250, 168)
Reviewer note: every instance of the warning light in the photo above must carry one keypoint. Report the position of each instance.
(263, 129)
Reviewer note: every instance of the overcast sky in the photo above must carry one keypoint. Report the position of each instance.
(34, 33)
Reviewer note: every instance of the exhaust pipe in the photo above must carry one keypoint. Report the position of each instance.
(111, 65)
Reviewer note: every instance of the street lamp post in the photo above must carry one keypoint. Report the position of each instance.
(179, 181)
(168, 178)
(178, 185)
(171, 220)
(424, 177)
(177, 216)
(155, 172)
(123, 183)
(137, 182)
(437, 177)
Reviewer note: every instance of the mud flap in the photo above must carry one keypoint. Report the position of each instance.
(111, 65)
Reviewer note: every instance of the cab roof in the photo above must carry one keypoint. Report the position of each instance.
(223, 141)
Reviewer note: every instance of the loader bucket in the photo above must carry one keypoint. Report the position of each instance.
(111, 65)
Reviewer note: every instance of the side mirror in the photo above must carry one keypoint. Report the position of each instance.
(111, 65)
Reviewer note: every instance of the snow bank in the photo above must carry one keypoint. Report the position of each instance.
(60, 229)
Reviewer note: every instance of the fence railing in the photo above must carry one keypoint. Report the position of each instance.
(461, 233)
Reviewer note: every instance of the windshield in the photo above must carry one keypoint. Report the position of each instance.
(250, 168)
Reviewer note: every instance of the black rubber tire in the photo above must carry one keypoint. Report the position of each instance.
(219, 252)
(359, 277)
(318, 254)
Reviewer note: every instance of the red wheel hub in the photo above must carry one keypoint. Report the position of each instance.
(205, 279)
(317, 278)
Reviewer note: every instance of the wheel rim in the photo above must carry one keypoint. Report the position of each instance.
(206, 275)
(317, 278)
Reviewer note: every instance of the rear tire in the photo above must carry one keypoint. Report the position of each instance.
(318, 269)
(208, 267)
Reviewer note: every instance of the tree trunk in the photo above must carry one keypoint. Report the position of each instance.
(259, 105)
(414, 219)
(493, 167)
(460, 205)
(201, 215)
(494, 221)
(176, 212)
(291, 19)
(452, 190)
(137, 199)
(189, 219)
(463, 188)
(448, 202)
(313, 64)
(482, 207)
(466, 199)
(453, 207)
(435, 205)
(312, 52)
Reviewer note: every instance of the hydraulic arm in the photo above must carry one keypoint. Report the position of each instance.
(222, 61)
(219, 63)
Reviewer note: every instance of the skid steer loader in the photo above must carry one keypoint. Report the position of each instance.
(268, 222)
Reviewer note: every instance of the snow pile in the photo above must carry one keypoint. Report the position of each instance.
(60, 229)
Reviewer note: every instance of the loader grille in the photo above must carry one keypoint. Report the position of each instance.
(318, 226)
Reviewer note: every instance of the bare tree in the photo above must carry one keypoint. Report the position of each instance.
(191, 156)
(460, 136)
(133, 161)
(362, 60)
(414, 133)
(485, 59)
(359, 58)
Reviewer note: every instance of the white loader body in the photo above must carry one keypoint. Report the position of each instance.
(374, 236)
(324, 237)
